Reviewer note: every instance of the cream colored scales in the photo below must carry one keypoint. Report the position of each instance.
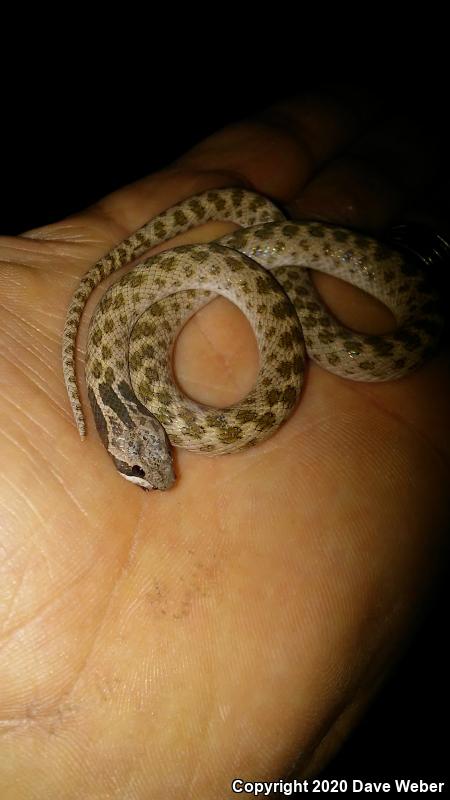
(263, 269)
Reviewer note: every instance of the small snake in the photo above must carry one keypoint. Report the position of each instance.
(263, 268)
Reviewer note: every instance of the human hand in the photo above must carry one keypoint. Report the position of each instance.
(158, 644)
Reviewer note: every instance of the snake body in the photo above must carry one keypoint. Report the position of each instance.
(263, 268)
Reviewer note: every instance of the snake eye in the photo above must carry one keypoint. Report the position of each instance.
(137, 472)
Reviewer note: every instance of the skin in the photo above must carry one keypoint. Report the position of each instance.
(161, 644)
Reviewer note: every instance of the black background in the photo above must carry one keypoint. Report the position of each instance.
(69, 140)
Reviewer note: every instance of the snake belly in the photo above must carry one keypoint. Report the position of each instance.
(264, 269)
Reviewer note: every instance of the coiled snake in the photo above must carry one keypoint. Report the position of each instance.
(263, 268)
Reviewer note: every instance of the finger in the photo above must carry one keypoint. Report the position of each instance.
(275, 152)
(279, 150)
(378, 176)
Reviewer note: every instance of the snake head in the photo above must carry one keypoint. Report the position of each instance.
(142, 452)
(135, 439)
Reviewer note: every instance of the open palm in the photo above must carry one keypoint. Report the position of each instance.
(162, 644)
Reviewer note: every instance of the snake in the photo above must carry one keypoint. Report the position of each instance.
(263, 267)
